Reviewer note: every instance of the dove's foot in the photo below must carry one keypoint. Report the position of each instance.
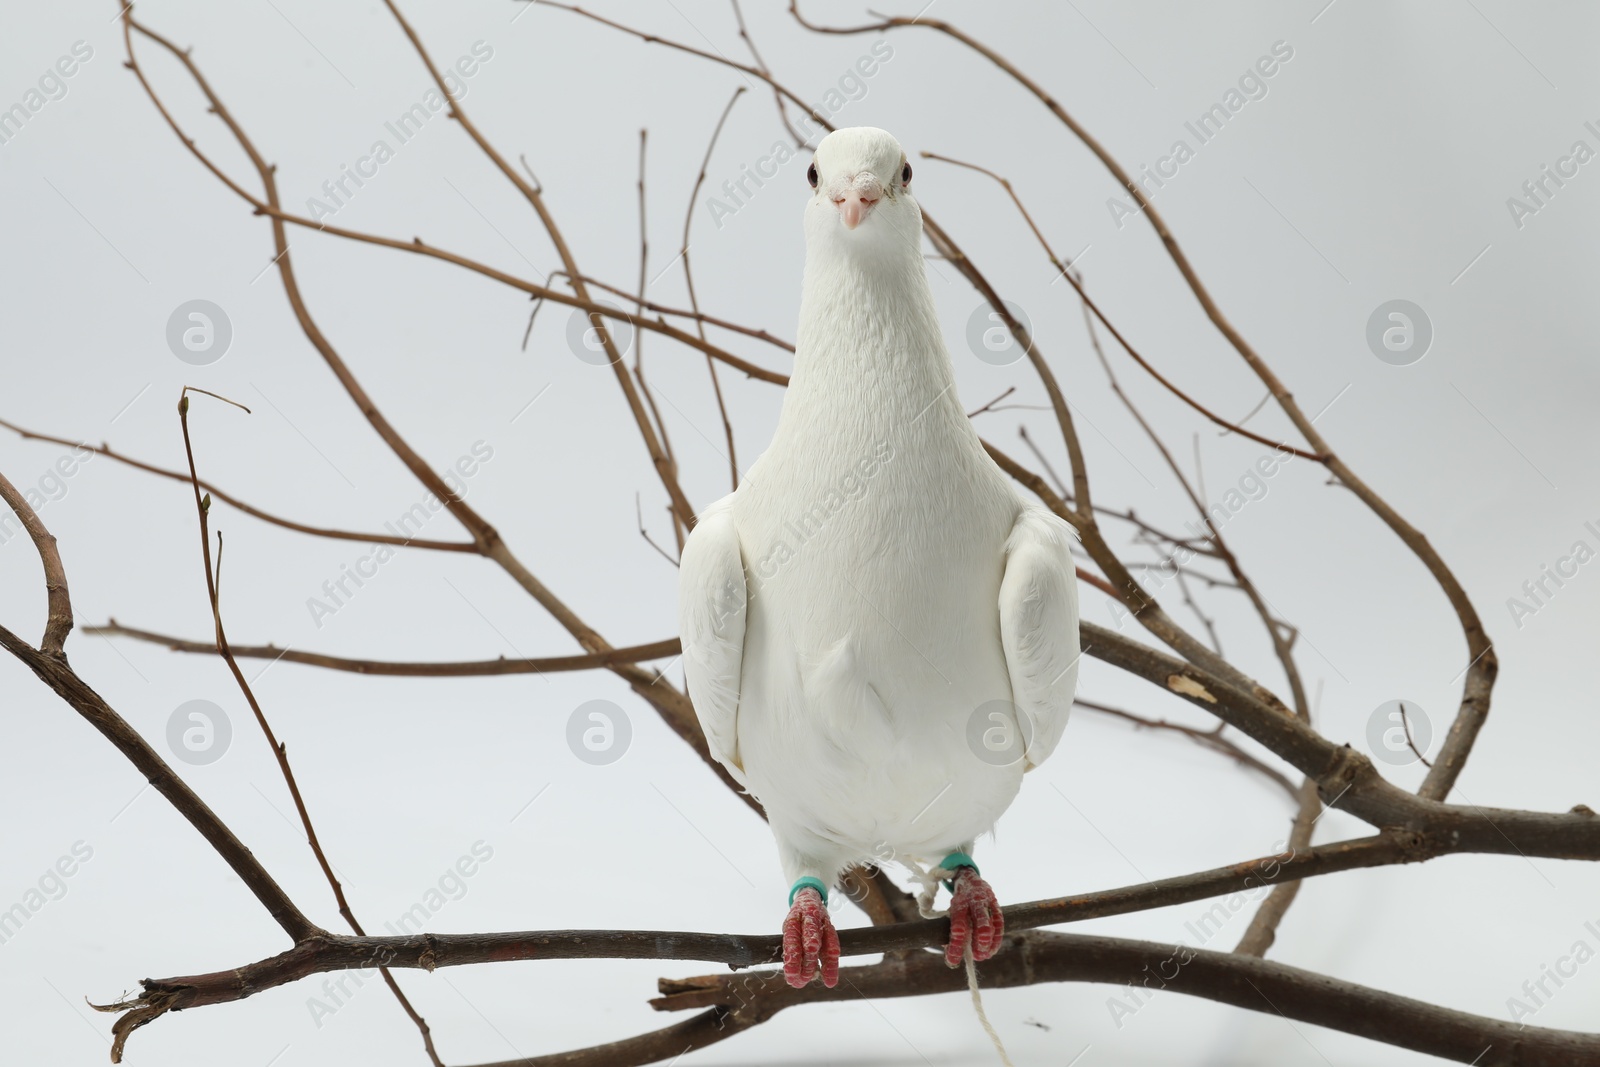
(810, 943)
(975, 919)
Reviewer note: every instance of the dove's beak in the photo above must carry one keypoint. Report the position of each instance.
(855, 196)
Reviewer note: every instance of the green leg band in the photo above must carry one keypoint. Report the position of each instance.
(814, 883)
(955, 861)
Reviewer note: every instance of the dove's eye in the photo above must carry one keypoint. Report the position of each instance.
(905, 175)
(811, 175)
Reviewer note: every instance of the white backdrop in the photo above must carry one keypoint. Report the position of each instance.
(1377, 165)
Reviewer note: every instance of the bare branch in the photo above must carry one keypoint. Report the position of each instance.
(688, 280)
(280, 751)
(672, 705)
(248, 509)
(698, 316)
(1243, 981)
(1483, 665)
(1065, 270)
(666, 469)
(408, 668)
(58, 598)
(1100, 959)
(638, 338)
(1263, 928)
(1211, 739)
(50, 665)
(1405, 722)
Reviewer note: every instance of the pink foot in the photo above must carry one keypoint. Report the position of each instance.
(810, 942)
(975, 919)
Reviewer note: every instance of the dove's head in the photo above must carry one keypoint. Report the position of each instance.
(862, 193)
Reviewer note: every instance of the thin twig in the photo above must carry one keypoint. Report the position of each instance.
(673, 706)
(800, 140)
(280, 751)
(408, 668)
(638, 511)
(1405, 724)
(688, 280)
(248, 509)
(638, 339)
(666, 470)
(697, 316)
(1065, 270)
(1211, 739)
(50, 664)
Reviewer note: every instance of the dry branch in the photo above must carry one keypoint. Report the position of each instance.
(248, 509)
(1409, 827)
(280, 751)
(1483, 665)
(408, 669)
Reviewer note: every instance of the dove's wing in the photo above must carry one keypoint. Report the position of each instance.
(711, 618)
(1039, 626)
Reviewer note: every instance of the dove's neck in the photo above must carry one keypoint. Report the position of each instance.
(868, 350)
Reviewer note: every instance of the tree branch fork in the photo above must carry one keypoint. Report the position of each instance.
(1031, 955)
(1409, 827)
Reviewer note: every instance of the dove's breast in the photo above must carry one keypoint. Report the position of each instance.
(873, 552)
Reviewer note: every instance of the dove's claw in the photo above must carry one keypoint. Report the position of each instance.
(810, 943)
(975, 919)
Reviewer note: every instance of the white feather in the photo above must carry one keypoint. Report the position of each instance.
(876, 579)
(711, 622)
(1039, 627)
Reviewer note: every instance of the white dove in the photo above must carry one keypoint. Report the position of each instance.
(880, 634)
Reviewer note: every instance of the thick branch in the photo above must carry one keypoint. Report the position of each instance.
(329, 952)
(666, 1044)
(1345, 777)
(55, 673)
(49, 663)
(1243, 981)
(1263, 929)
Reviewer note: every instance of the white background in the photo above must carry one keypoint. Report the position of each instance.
(1377, 167)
